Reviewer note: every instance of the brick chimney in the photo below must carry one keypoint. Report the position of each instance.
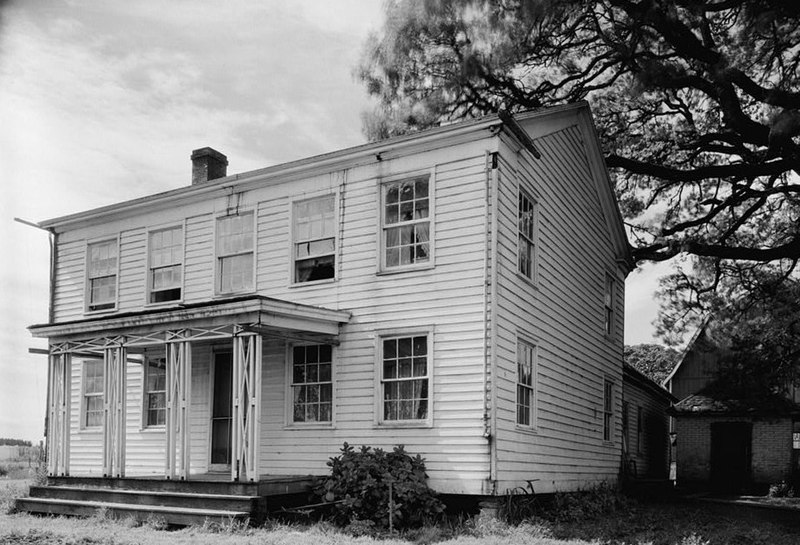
(208, 164)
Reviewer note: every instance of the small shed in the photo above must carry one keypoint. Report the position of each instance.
(732, 445)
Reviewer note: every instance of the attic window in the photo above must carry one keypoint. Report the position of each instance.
(314, 239)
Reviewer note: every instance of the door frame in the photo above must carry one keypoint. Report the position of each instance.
(215, 351)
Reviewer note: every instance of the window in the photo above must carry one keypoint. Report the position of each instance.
(235, 253)
(312, 383)
(608, 306)
(639, 429)
(92, 393)
(526, 381)
(526, 226)
(102, 275)
(155, 393)
(314, 239)
(608, 409)
(166, 258)
(625, 426)
(406, 222)
(405, 377)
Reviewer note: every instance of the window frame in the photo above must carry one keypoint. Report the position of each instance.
(84, 406)
(609, 302)
(150, 269)
(382, 335)
(289, 421)
(88, 278)
(146, 393)
(293, 283)
(526, 342)
(218, 256)
(383, 268)
(532, 240)
(608, 410)
(639, 428)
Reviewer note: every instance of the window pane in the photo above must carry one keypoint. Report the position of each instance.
(236, 273)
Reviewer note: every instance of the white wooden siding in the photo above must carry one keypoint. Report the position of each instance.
(564, 314)
(448, 297)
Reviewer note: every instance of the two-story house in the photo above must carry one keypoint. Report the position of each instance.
(458, 291)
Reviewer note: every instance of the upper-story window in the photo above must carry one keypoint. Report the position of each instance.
(314, 241)
(406, 223)
(101, 275)
(608, 306)
(166, 264)
(235, 253)
(526, 227)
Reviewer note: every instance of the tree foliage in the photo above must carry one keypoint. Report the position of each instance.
(653, 360)
(697, 103)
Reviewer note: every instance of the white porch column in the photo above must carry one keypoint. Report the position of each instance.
(179, 390)
(114, 401)
(59, 374)
(246, 406)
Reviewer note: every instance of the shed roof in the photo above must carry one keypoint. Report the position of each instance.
(702, 404)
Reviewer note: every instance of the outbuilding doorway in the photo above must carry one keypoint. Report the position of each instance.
(731, 456)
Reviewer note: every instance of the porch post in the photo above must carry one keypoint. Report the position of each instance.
(246, 435)
(179, 389)
(114, 402)
(59, 374)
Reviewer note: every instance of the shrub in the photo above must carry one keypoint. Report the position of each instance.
(3, 471)
(781, 490)
(359, 483)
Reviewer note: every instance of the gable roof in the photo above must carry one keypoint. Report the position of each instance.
(634, 376)
(686, 351)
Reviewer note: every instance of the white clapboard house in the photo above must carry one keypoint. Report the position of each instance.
(458, 291)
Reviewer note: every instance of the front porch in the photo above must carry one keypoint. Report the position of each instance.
(194, 427)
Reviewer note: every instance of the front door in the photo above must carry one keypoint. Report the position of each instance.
(731, 448)
(221, 412)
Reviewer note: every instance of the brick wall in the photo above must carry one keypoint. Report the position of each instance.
(771, 448)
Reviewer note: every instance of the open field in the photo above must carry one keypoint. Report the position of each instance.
(675, 523)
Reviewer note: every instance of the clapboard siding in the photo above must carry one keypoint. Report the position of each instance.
(562, 315)
(648, 439)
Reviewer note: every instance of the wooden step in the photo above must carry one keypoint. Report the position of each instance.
(183, 516)
(225, 502)
(162, 485)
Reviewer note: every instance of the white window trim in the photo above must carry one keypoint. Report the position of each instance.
(609, 329)
(534, 278)
(216, 289)
(149, 279)
(381, 243)
(144, 425)
(87, 289)
(533, 426)
(336, 250)
(82, 416)
(289, 422)
(611, 424)
(379, 421)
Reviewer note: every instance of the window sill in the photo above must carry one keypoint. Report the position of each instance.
(313, 283)
(299, 426)
(96, 430)
(530, 281)
(401, 270)
(99, 312)
(153, 429)
(404, 424)
(164, 304)
(227, 294)
(530, 430)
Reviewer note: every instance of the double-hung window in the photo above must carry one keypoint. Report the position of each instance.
(608, 409)
(101, 273)
(526, 242)
(235, 253)
(405, 378)
(312, 383)
(639, 429)
(314, 239)
(166, 264)
(155, 393)
(608, 306)
(526, 383)
(92, 393)
(406, 224)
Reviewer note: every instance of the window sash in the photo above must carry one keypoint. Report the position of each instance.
(526, 381)
(93, 386)
(166, 264)
(314, 238)
(101, 274)
(236, 273)
(608, 306)
(235, 235)
(312, 383)
(526, 229)
(155, 393)
(405, 211)
(608, 409)
(405, 378)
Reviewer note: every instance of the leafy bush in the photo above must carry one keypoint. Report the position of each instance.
(781, 490)
(359, 483)
(3, 471)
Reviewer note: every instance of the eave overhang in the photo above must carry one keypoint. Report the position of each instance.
(263, 315)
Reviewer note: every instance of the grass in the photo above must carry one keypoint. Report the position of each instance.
(572, 523)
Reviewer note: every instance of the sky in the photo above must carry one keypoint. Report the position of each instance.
(101, 102)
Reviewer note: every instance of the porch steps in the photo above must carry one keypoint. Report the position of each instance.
(174, 502)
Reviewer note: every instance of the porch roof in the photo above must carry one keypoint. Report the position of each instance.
(258, 313)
